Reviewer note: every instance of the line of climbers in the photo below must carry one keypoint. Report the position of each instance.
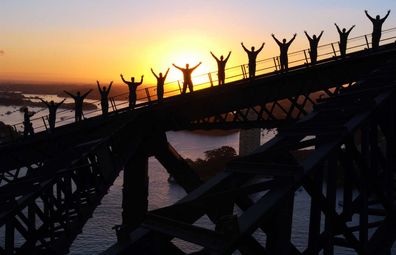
(187, 81)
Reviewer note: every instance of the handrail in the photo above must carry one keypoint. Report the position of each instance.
(234, 73)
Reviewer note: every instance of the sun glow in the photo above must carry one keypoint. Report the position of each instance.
(181, 50)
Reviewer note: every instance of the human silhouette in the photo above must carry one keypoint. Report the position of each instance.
(187, 76)
(52, 107)
(313, 43)
(160, 84)
(78, 103)
(27, 125)
(221, 63)
(343, 39)
(132, 85)
(284, 47)
(252, 55)
(377, 28)
(104, 94)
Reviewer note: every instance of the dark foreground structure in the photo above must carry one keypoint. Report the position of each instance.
(343, 109)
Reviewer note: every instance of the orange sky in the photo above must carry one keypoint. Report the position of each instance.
(84, 41)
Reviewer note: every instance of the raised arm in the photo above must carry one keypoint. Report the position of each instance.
(166, 74)
(276, 40)
(243, 46)
(350, 29)
(45, 102)
(70, 94)
(386, 16)
(61, 102)
(307, 35)
(338, 29)
(86, 94)
(214, 57)
(228, 56)
(141, 81)
(291, 40)
(122, 78)
(320, 35)
(262, 46)
(196, 66)
(368, 15)
(97, 82)
(108, 89)
(178, 67)
(152, 71)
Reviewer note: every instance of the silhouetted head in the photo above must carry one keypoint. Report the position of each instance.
(133, 79)
(314, 37)
(25, 109)
(221, 57)
(284, 40)
(252, 48)
(104, 87)
(187, 65)
(343, 30)
(52, 102)
(160, 75)
(377, 17)
(78, 93)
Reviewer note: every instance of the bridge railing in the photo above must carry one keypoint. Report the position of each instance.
(268, 66)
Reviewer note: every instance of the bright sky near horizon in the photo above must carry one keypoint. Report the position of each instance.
(84, 41)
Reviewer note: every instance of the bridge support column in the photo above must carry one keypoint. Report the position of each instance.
(249, 140)
(134, 194)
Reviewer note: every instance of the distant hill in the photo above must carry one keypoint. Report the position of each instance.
(58, 88)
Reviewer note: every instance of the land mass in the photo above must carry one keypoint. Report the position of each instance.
(58, 88)
(18, 99)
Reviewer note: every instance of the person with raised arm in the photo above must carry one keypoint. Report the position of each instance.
(221, 63)
(104, 94)
(187, 76)
(313, 43)
(160, 84)
(52, 107)
(132, 85)
(284, 47)
(78, 103)
(377, 28)
(252, 55)
(343, 39)
(27, 125)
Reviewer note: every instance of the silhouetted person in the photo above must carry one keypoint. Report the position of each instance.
(252, 55)
(78, 103)
(52, 107)
(187, 77)
(284, 47)
(132, 85)
(313, 43)
(377, 28)
(27, 125)
(160, 84)
(221, 63)
(104, 94)
(343, 39)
